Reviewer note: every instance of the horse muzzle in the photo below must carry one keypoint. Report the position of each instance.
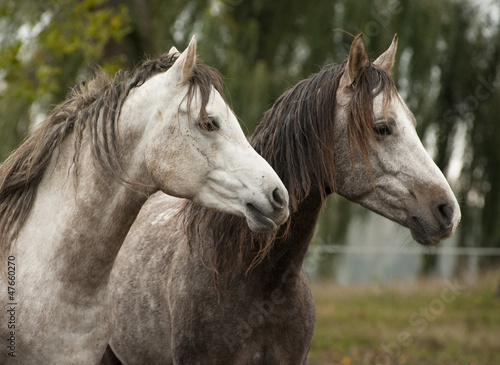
(268, 216)
(435, 223)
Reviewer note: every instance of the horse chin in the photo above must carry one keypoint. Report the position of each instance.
(425, 240)
(262, 226)
(258, 222)
(420, 234)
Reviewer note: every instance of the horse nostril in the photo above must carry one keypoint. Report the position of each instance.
(278, 197)
(445, 212)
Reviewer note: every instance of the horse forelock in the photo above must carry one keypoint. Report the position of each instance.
(370, 82)
(296, 136)
(94, 106)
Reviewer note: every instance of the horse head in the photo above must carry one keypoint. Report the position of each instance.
(383, 165)
(194, 147)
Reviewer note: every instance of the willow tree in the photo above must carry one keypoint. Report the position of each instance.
(447, 70)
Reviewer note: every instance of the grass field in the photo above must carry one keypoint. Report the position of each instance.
(433, 322)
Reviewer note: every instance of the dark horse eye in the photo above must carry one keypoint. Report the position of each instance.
(210, 125)
(382, 129)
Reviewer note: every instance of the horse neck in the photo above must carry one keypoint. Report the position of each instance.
(78, 226)
(289, 251)
(294, 137)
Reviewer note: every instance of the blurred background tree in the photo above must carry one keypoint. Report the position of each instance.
(447, 71)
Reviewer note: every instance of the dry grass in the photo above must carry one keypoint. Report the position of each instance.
(431, 322)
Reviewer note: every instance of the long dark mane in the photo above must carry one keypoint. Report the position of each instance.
(296, 136)
(93, 107)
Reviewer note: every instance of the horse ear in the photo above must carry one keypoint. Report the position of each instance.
(183, 66)
(386, 60)
(358, 59)
(173, 50)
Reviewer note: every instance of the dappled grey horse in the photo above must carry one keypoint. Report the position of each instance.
(70, 193)
(194, 286)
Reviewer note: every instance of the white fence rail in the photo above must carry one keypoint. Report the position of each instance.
(416, 250)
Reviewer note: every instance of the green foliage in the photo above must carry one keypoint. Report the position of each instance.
(46, 49)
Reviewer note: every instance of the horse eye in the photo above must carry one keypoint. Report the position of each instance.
(210, 125)
(382, 130)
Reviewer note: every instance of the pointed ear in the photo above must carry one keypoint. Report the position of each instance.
(358, 59)
(183, 66)
(386, 60)
(173, 50)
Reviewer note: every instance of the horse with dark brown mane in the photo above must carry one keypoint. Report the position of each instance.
(344, 130)
(71, 191)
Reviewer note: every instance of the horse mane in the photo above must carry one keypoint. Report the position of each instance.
(93, 106)
(296, 137)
